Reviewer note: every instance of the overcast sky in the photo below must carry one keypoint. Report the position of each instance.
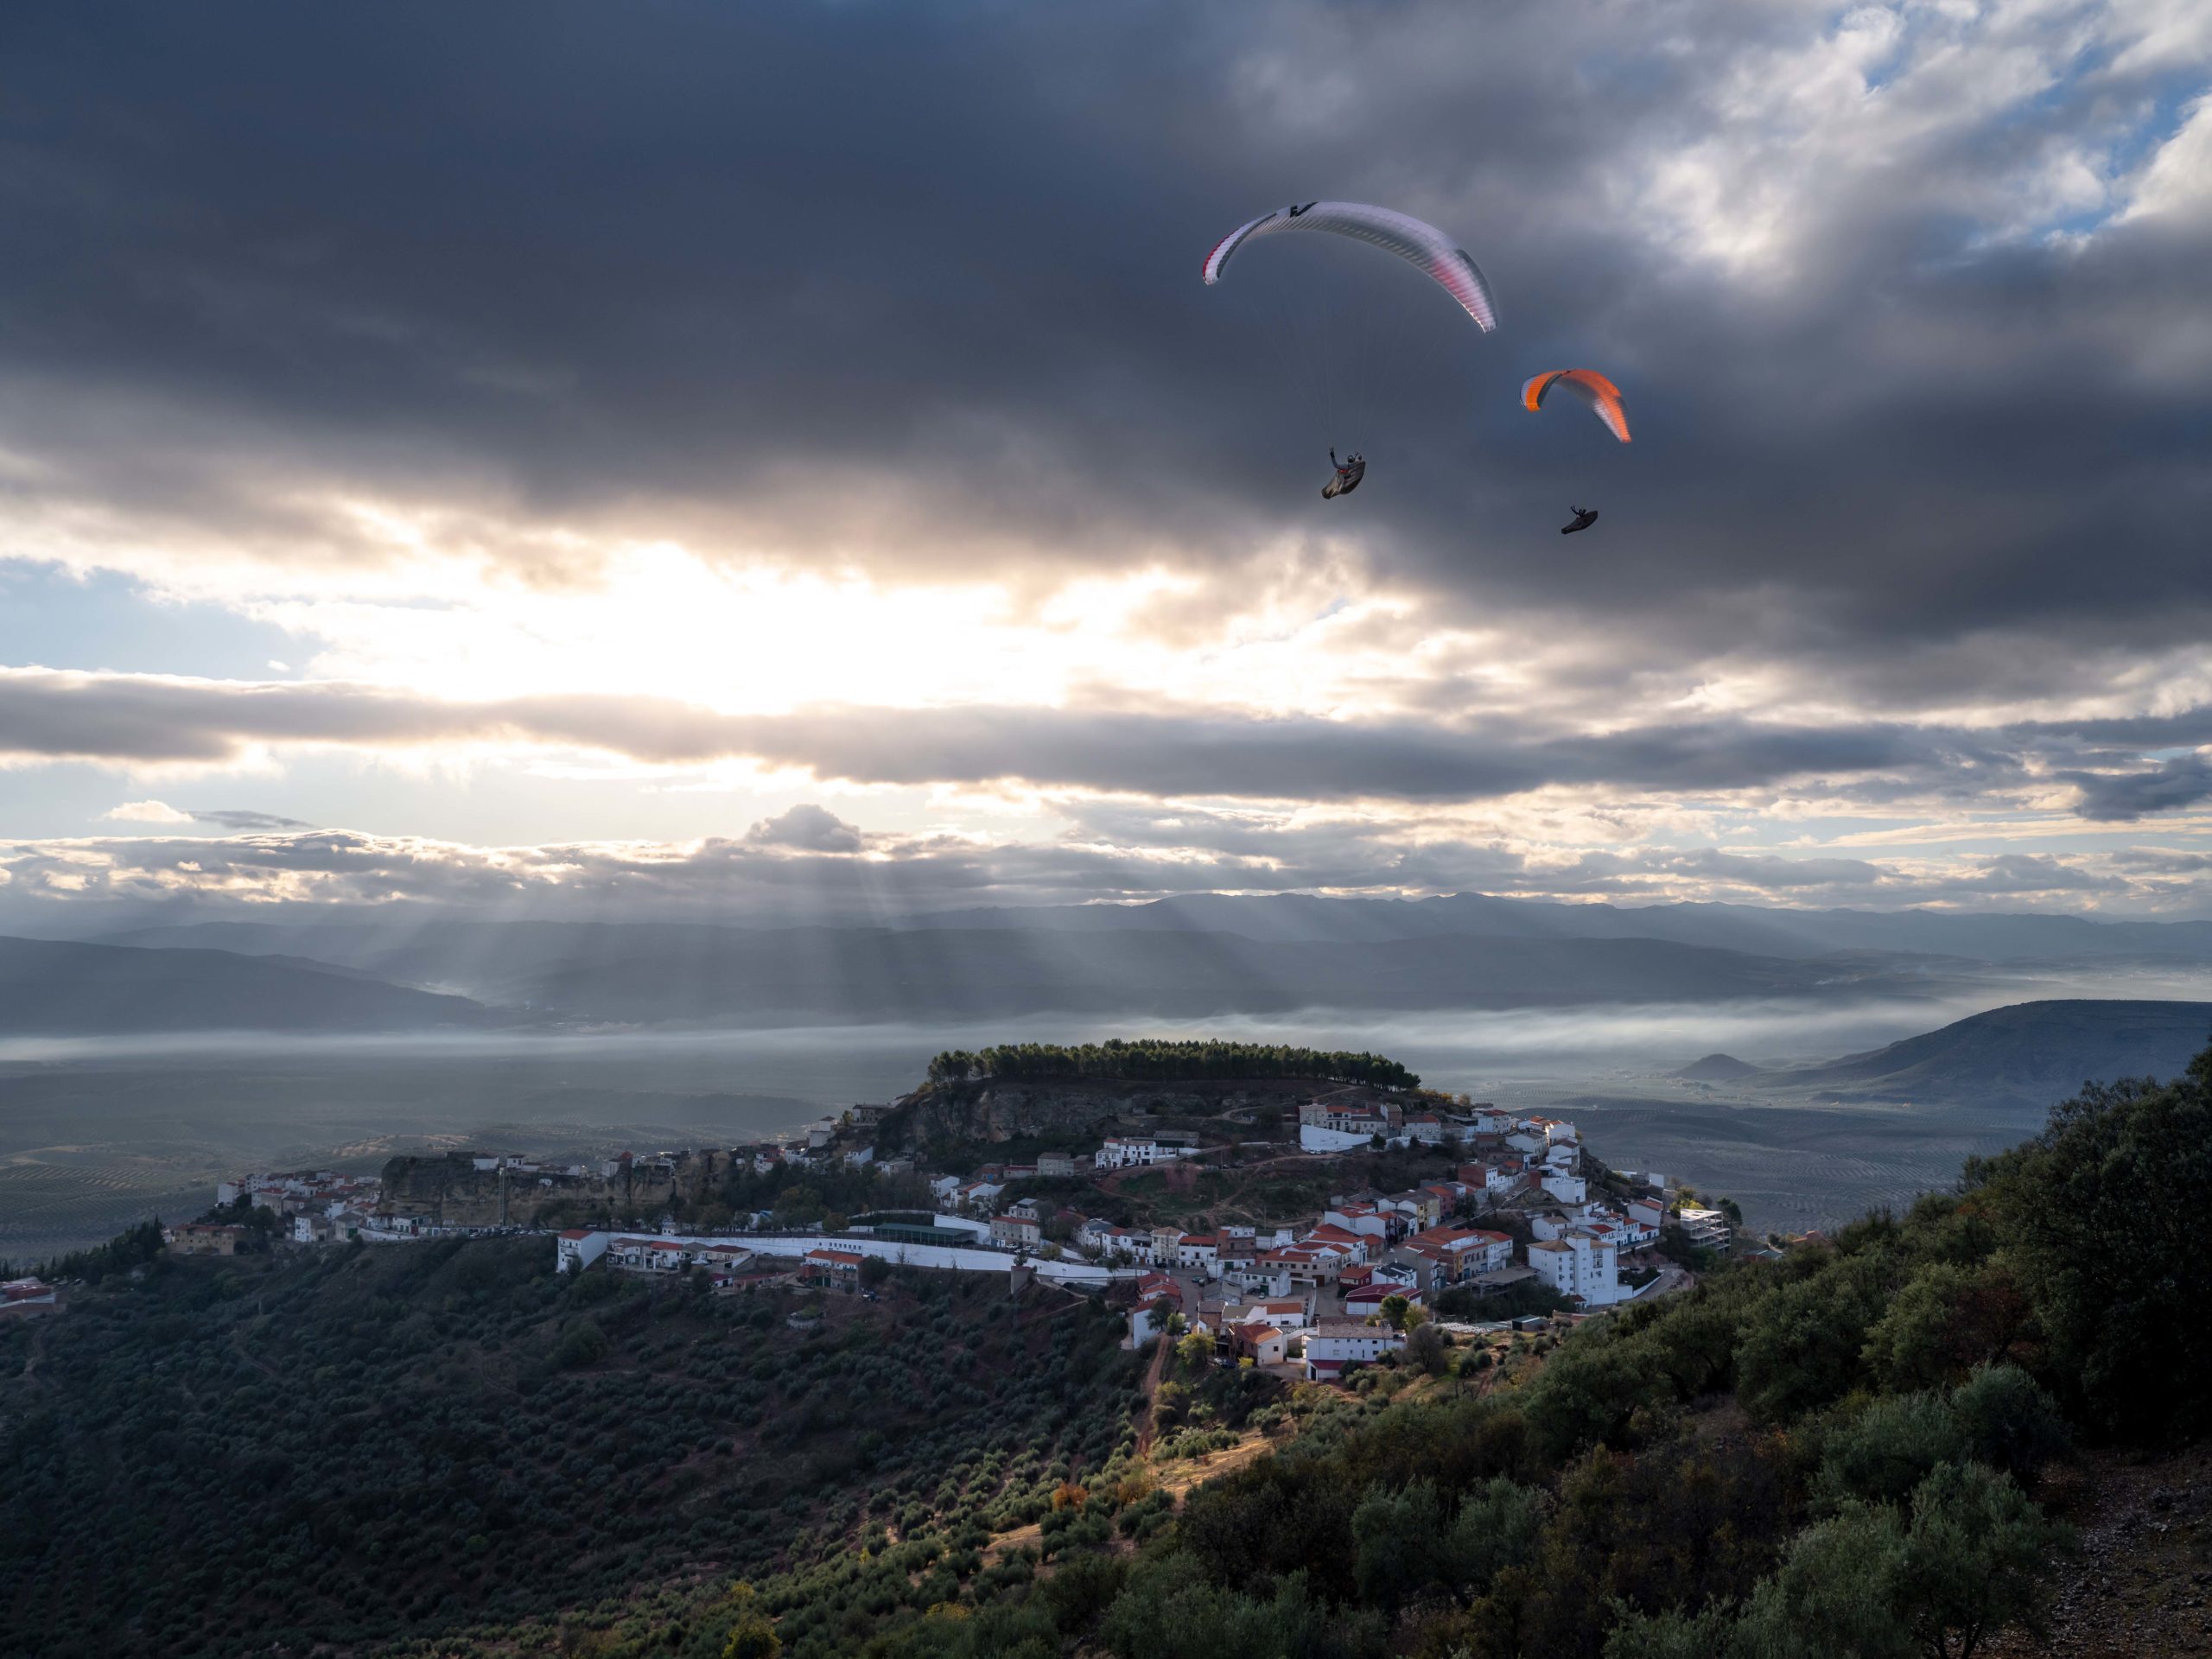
(701, 453)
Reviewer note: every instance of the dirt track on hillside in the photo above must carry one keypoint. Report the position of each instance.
(1178, 1481)
(2140, 1586)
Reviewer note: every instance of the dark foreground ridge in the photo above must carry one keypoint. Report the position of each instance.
(1868, 1445)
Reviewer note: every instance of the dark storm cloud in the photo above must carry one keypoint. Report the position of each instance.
(2181, 781)
(2159, 861)
(144, 718)
(141, 719)
(918, 285)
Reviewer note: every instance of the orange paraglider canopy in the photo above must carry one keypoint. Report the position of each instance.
(1601, 395)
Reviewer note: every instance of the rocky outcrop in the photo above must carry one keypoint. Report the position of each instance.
(947, 1115)
(451, 1192)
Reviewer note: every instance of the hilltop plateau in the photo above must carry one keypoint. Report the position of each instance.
(1070, 1111)
(1055, 1095)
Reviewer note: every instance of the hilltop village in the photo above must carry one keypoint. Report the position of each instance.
(1305, 1225)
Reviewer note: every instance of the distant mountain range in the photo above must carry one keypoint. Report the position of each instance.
(2031, 1051)
(1187, 957)
(662, 973)
(1182, 958)
(57, 988)
(1995, 937)
(1277, 918)
(2035, 1052)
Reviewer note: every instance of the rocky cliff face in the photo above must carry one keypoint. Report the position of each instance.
(1071, 1111)
(452, 1192)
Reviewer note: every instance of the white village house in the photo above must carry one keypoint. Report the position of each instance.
(1334, 1343)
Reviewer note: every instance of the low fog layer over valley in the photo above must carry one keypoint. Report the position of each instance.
(1748, 1050)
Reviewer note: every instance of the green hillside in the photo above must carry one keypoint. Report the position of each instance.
(376, 1446)
(1866, 1449)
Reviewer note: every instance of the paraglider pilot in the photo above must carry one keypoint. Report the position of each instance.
(1584, 517)
(1348, 473)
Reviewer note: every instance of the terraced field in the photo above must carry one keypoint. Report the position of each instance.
(63, 1197)
(1793, 1167)
(90, 1145)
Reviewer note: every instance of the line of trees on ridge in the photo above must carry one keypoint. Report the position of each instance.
(1156, 1060)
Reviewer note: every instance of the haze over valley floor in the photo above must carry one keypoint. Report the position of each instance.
(142, 1109)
